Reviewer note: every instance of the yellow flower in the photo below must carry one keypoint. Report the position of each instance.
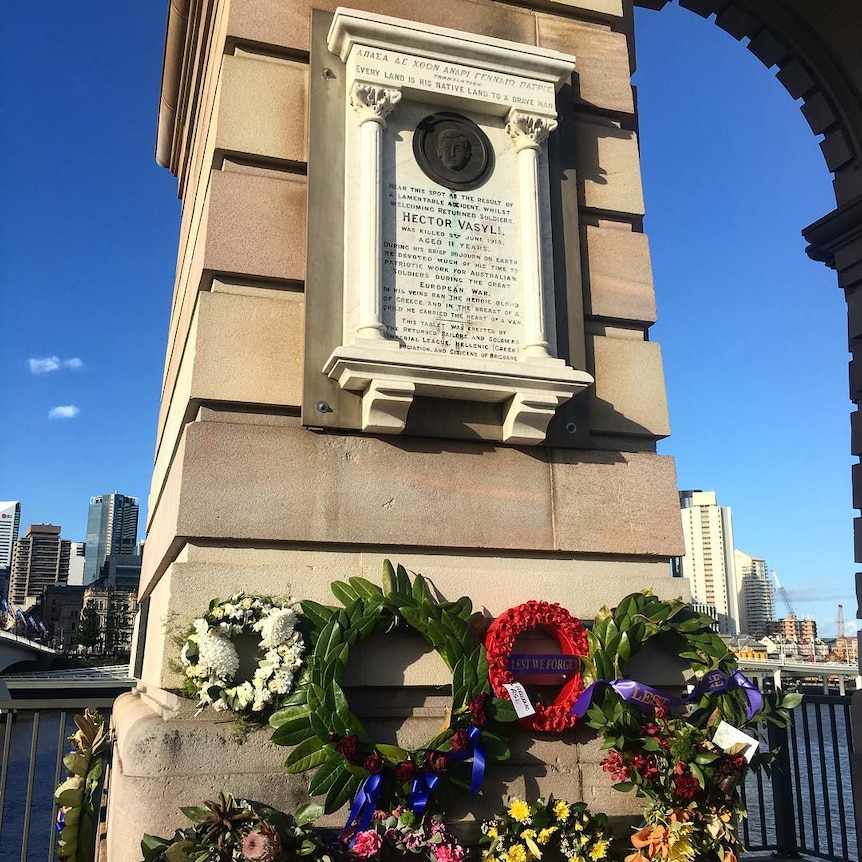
(579, 827)
(492, 832)
(519, 810)
(518, 853)
(545, 834)
(599, 850)
(528, 833)
(576, 859)
(562, 811)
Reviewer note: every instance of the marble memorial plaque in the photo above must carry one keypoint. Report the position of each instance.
(448, 289)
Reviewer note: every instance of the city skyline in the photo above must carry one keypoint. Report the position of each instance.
(759, 413)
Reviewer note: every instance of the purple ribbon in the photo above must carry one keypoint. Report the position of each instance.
(421, 790)
(475, 751)
(364, 806)
(646, 696)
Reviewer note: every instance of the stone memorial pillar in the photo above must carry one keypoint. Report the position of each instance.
(410, 321)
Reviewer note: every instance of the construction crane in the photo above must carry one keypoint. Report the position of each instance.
(784, 597)
(840, 643)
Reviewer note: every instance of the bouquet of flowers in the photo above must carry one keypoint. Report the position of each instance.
(528, 830)
(691, 782)
(403, 833)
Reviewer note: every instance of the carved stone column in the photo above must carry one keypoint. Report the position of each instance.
(373, 104)
(528, 132)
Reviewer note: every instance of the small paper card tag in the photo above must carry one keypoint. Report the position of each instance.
(520, 700)
(726, 736)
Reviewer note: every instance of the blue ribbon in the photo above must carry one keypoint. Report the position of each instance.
(364, 806)
(644, 695)
(477, 752)
(61, 820)
(421, 790)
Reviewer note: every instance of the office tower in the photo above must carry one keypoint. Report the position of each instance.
(10, 520)
(40, 559)
(77, 553)
(112, 528)
(756, 595)
(708, 562)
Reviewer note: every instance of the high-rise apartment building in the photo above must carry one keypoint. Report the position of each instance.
(40, 559)
(756, 595)
(77, 555)
(10, 521)
(112, 528)
(709, 561)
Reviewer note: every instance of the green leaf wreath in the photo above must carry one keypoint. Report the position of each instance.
(329, 739)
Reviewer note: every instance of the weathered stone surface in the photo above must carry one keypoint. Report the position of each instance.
(433, 498)
(261, 108)
(244, 346)
(629, 395)
(602, 7)
(608, 168)
(618, 274)
(288, 25)
(165, 761)
(247, 222)
(256, 225)
(493, 582)
(627, 501)
(602, 75)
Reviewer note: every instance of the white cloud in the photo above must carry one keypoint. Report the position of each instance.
(44, 365)
(68, 411)
(47, 364)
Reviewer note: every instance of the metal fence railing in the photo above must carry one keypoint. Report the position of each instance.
(33, 741)
(806, 807)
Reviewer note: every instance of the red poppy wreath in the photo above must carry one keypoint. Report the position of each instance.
(572, 637)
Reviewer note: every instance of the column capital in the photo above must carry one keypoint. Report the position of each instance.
(374, 103)
(528, 131)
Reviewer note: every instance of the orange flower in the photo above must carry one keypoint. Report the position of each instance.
(654, 840)
(729, 856)
(636, 857)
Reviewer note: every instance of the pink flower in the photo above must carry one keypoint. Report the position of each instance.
(260, 846)
(448, 853)
(367, 843)
(413, 840)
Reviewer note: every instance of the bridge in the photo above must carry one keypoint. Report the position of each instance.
(14, 648)
(757, 670)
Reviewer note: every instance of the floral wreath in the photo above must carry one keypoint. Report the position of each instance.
(328, 738)
(620, 634)
(210, 660)
(572, 637)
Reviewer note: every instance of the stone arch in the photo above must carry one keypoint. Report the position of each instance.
(815, 47)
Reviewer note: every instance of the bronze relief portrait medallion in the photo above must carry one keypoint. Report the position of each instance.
(453, 151)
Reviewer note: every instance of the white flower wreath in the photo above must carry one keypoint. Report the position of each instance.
(210, 658)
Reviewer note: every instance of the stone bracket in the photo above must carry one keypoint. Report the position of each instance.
(532, 389)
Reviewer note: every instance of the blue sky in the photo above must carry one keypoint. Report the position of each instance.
(752, 331)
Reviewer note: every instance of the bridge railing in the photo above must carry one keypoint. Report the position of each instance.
(806, 806)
